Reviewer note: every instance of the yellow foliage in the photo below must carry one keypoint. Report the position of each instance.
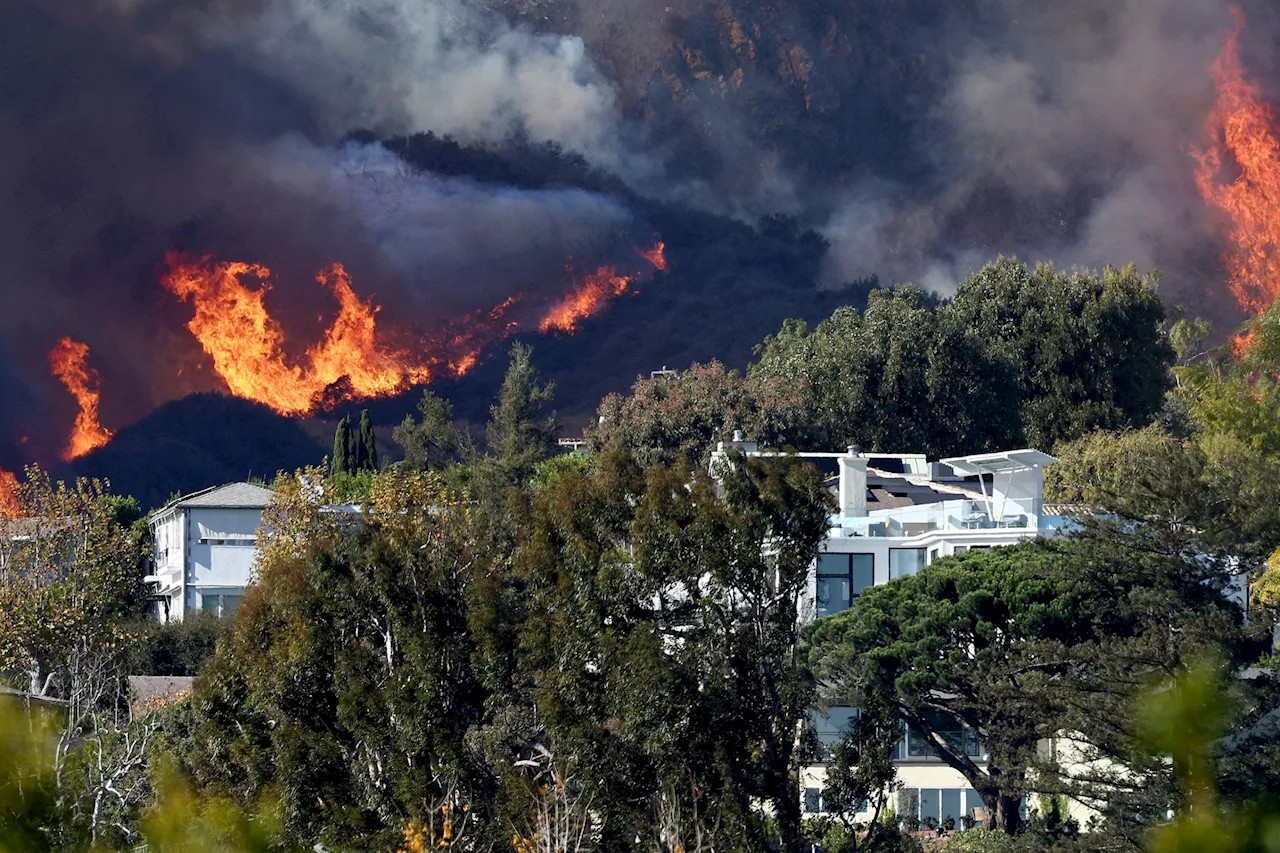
(1265, 591)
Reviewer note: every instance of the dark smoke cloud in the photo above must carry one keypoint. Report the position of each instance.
(922, 138)
(1063, 135)
(130, 127)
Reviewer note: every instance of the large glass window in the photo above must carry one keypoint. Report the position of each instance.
(841, 577)
(957, 738)
(905, 561)
(220, 604)
(934, 807)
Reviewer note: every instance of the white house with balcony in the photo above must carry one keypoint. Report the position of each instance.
(896, 514)
(204, 550)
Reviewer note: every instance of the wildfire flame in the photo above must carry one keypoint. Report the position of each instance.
(595, 292)
(585, 300)
(656, 255)
(69, 362)
(9, 505)
(233, 326)
(1239, 173)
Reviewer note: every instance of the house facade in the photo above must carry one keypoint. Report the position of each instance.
(204, 550)
(897, 513)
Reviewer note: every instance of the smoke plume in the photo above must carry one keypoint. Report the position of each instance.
(920, 138)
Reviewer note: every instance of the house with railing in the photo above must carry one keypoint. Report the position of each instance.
(204, 550)
(897, 513)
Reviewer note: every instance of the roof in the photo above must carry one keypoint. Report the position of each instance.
(1004, 462)
(230, 496)
(889, 490)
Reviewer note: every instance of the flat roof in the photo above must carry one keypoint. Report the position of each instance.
(1006, 461)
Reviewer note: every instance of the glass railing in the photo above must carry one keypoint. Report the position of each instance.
(907, 522)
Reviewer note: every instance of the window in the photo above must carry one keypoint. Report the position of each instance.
(841, 577)
(957, 739)
(935, 807)
(959, 549)
(933, 554)
(220, 604)
(813, 800)
(905, 561)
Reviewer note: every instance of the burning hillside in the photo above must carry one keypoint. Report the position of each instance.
(69, 362)
(1238, 173)
(354, 360)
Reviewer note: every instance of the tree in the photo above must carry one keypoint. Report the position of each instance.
(368, 455)
(522, 430)
(432, 442)
(1015, 646)
(1020, 356)
(660, 641)
(1087, 349)
(343, 459)
(861, 770)
(1211, 496)
(669, 417)
(348, 683)
(69, 579)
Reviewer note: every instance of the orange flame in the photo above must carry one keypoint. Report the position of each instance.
(69, 362)
(9, 505)
(585, 300)
(1244, 144)
(656, 255)
(591, 297)
(233, 326)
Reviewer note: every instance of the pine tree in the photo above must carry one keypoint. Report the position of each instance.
(522, 429)
(342, 462)
(368, 446)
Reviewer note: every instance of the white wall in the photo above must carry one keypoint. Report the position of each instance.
(209, 549)
(224, 523)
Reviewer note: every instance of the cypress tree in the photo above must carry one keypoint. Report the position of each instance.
(368, 447)
(341, 463)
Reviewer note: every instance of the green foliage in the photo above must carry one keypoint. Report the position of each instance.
(1022, 643)
(1019, 357)
(1086, 349)
(34, 817)
(432, 442)
(548, 473)
(343, 461)
(173, 648)
(1185, 720)
(670, 417)
(348, 680)
(642, 665)
(72, 578)
(28, 786)
(1210, 494)
(984, 841)
(367, 457)
(349, 487)
(522, 431)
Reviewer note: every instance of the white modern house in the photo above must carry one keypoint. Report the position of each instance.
(204, 550)
(896, 514)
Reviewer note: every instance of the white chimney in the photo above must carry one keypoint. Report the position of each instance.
(853, 484)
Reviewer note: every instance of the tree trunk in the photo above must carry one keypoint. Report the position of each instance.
(1008, 813)
(786, 808)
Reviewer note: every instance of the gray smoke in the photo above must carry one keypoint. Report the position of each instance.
(1066, 139)
(130, 127)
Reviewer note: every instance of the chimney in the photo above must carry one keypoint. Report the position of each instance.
(853, 483)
